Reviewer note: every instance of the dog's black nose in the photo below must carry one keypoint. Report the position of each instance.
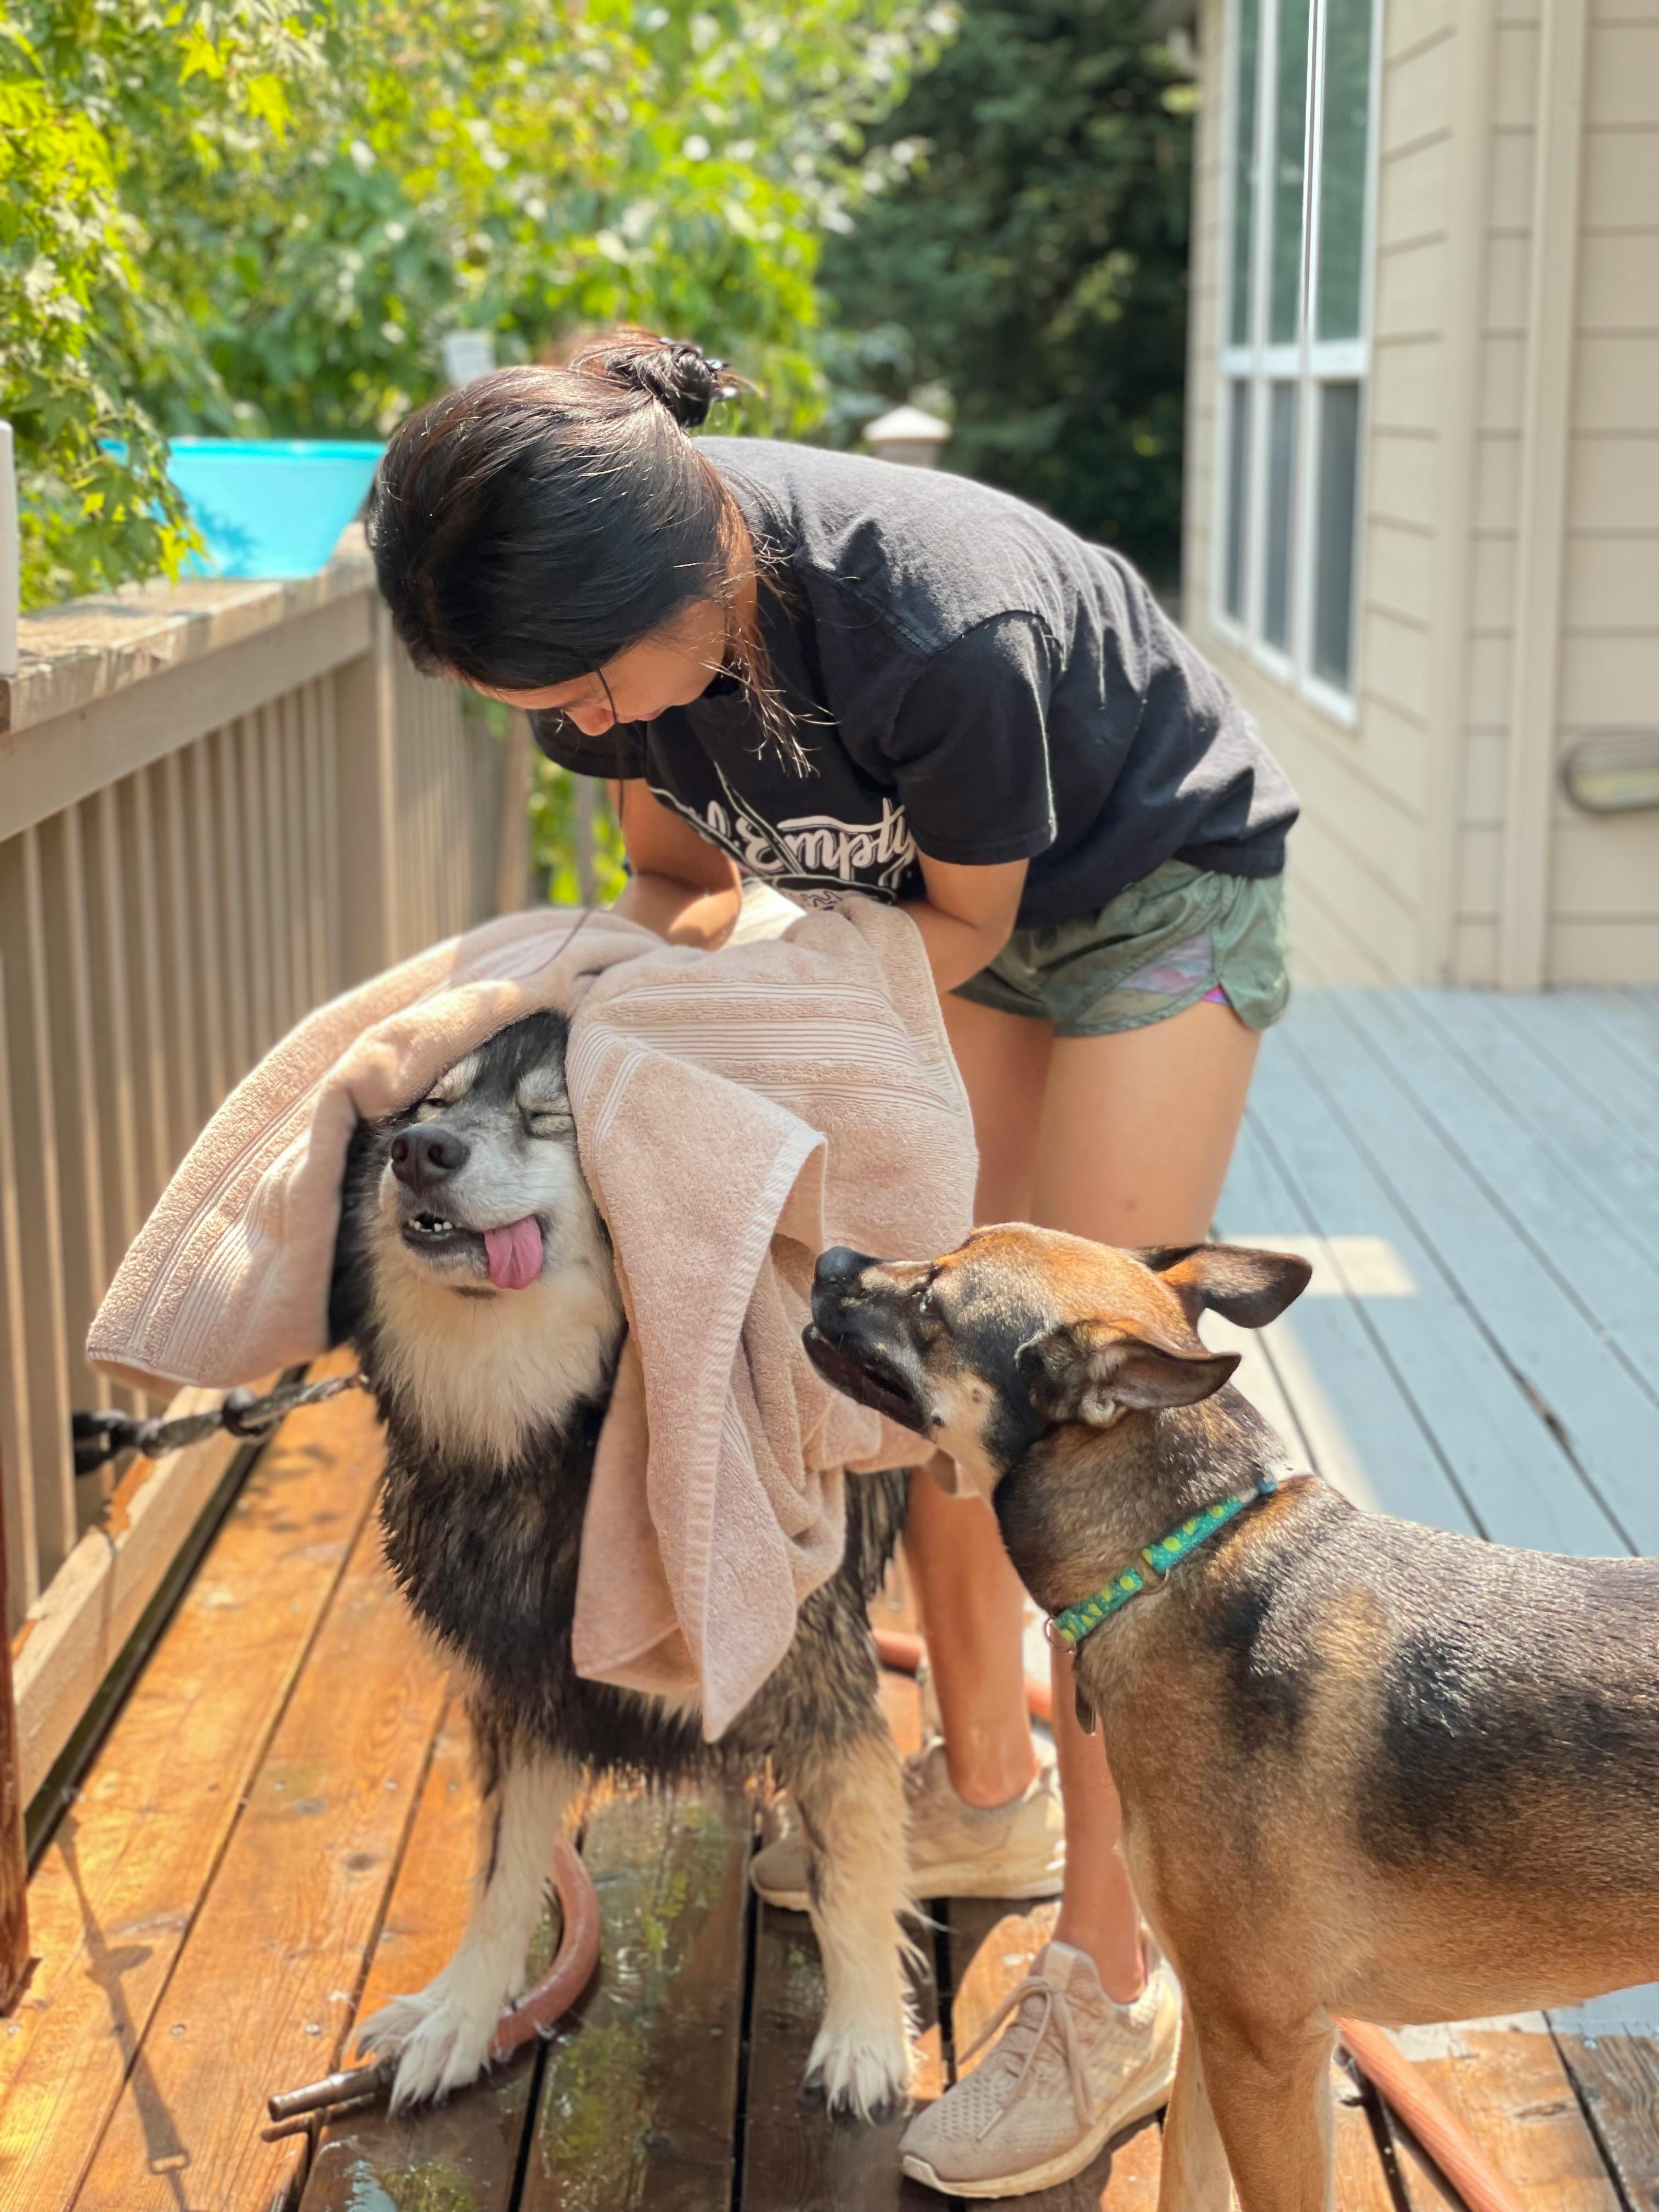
(421, 1157)
(839, 1268)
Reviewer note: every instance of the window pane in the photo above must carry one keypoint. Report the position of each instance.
(1244, 106)
(1290, 136)
(1281, 488)
(1339, 462)
(1239, 477)
(1343, 126)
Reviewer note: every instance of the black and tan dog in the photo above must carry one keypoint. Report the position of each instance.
(475, 1275)
(1367, 1768)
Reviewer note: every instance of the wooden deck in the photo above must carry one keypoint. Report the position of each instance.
(275, 1829)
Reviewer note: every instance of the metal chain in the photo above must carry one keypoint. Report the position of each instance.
(101, 1436)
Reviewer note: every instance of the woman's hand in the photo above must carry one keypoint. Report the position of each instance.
(681, 886)
(968, 915)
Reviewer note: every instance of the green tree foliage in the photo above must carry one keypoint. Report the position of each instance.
(82, 327)
(1032, 260)
(567, 813)
(261, 216)
(529, 167)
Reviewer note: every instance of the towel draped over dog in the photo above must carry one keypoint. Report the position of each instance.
(736, 1112)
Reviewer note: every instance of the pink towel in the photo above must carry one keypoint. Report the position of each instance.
(736, 1112)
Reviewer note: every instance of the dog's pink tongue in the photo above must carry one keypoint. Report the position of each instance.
(514, 1253)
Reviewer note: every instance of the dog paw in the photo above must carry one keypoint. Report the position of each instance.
(439, 2044)
(385, 2033)
(862, 2072)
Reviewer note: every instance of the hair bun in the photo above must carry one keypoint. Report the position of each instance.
(672, 371)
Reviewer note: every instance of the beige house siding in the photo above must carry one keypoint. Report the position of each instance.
(1358, 855)
(1509, 489)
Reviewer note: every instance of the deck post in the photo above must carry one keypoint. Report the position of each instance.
(14, 1863)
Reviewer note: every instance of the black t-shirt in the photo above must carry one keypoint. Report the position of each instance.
(968, 678)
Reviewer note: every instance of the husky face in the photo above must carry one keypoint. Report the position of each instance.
(491, 1282)
(480, 1182)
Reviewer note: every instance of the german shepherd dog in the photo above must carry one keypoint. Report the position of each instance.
(475, 1275)
(1367, 1768)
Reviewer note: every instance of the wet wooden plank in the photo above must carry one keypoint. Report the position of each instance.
(1506, 2081)
(119, 1882)
(462, 2155)
(795, 2159)
(638, 2102)
(991, 1949)
(265, 1986)
(79, 1628)
(1617, 2077)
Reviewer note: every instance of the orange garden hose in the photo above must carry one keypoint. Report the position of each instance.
(572, 1965)
(1396, 2080)
(534, 2015)
(1429, 2118)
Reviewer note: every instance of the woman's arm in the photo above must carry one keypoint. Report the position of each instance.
(681, 886)
(689, 892)
(968, 915)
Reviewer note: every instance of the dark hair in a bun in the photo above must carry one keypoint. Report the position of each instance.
(672, 371)
(530, 525)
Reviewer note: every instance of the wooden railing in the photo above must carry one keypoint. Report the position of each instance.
(219, 805)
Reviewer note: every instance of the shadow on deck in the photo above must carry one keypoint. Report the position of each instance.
(276, 1832)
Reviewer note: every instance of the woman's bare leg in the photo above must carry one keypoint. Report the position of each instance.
(1138, 1128)
(1125, 1139)
(969, 1596)
(1136, 1134)
(973, 1619)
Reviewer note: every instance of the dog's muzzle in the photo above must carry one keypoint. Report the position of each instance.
(842, 1341)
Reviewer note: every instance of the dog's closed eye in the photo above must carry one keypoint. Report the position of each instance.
(548, 1122)
(545, 1105)
(454, 1083)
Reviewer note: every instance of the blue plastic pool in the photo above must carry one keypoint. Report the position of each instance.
(271, 506)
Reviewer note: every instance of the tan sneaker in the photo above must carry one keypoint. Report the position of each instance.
(957, 1850)
(1072, 2071)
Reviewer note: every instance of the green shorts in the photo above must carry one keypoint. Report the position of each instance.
(1180, 935)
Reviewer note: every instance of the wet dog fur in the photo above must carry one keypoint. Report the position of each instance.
(492, 1401)
(1367, 1768)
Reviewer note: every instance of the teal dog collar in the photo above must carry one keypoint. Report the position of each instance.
(1068, 1629)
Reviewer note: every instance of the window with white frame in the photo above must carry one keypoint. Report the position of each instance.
(1295, 352)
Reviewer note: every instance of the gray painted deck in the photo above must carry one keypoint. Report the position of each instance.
(1476, 1180)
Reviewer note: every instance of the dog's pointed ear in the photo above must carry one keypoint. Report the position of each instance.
(1249, 1287)
(1093, 1370)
